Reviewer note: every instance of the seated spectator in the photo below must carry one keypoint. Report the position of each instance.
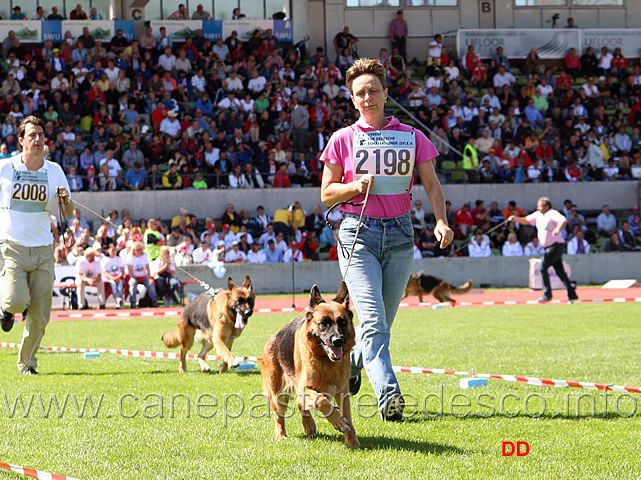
(171, 179)
(113, 272)
(578, 245)
(163, 269)
(534, 248)
(614, 244)
(273, 253)
(139, 274)
(629, 242)
(480, 245)
(512, 248)
(89, 273)
(606, 222)
(235, 254)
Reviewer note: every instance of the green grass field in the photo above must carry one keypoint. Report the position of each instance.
(138, 433)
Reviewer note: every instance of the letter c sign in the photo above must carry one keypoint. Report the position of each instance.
(136, 13)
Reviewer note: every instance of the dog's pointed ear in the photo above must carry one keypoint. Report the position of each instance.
(315, 297)
(248, 283)
(230, 283)
(343, 295)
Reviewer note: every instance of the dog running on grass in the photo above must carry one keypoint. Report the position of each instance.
(420, 285)
(215, 322)
(310, 356)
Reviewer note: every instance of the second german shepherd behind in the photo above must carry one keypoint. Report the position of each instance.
(310, 356)
(420, 285)
(215, 322)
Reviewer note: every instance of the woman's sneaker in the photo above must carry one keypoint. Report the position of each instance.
(392, 410)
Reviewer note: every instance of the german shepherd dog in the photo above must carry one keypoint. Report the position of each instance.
(215, 321)
(310, 356)
(420, 285)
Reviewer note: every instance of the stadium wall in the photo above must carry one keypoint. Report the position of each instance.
(165, 204)
(496, 272)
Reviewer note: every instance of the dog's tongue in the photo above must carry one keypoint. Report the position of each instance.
(336, 353)
(239, 322)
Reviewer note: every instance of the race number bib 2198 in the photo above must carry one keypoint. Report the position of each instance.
(389, 156)
(29, 191)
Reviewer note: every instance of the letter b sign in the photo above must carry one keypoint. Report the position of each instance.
(521, 449)
(486, 7)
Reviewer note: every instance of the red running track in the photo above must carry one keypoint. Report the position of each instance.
(475, 298)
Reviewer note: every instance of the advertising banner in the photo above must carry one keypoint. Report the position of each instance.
(27, 31)
(178, 30)
(549, 43)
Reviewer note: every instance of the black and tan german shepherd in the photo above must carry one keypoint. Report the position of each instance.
(310, 356)
(215, 321)
(420, 285)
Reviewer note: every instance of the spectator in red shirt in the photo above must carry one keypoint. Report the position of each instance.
(544, 151)
(78, 13)
(480, 213)
(471, 59)
(464, 220)
(572, 63)
(281, 178)
(563, 84)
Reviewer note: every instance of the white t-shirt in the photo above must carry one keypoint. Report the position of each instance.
(156, 265)
(256, 257)
(88, 269)
(201, 256)
(139, 264)
(232, 256)
(26, 200)
(114, 266)
(288, 254)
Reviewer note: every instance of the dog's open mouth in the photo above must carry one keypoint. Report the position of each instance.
(241, 321)
(334, 353)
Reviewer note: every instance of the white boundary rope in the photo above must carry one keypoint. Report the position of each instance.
(30, 472)
(542, 382)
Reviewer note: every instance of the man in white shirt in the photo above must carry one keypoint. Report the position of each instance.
(292, 254)
(26, 281)
(256, 83)
(170, 125)
(112, 163)
(480, 245)
(235, 255)
(89, 273)
(202, 255)
(234, 82)
(503, 77)
(198, 83)
(495, 102)
(256, 254)
(220, 49)
(167, 61)
(606, 222)
(435, 48)
(229, 102)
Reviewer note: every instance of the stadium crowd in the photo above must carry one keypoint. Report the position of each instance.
(152, 114)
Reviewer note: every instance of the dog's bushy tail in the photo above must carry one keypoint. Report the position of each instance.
(170, 339)
(466, 287)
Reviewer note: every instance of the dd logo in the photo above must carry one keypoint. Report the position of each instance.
(509, 449)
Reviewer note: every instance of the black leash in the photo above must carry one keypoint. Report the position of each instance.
(63, 221)
(344, 252)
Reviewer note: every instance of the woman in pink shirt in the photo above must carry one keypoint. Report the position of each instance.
(380, 154)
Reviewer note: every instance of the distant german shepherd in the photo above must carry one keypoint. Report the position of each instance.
(420, 285)
(215, 322)
(310, 356)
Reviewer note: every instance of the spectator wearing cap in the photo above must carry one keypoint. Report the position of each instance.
(57, 63)
(293, 254)
(171, 179)
(235, 254)
(202, 255)
(170, 125)
(227, 235)
(635, 221)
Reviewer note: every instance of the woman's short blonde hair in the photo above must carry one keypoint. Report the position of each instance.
(364, 66)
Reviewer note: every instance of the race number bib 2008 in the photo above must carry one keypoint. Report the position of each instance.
(29, 191)
(389, 156)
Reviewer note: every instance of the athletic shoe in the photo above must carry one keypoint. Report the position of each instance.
(544, 299)
(118, 303)
(354, 384)
(392, 410)
(7, 319)
(29, 371)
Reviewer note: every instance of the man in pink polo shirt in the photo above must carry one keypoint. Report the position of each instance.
(549, 224)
